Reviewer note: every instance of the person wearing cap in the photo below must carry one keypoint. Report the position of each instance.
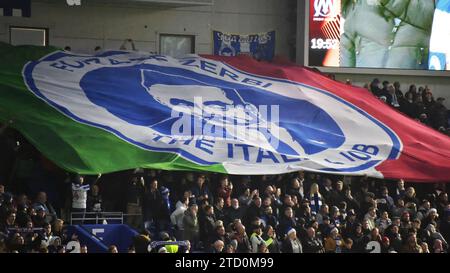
(333, 243)
(292, 244)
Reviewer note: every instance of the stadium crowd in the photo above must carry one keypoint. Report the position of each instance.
(291, 213)
(417, 103)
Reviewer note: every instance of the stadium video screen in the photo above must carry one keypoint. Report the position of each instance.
(393, 34)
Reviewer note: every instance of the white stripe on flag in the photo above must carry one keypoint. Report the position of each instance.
(17, 13)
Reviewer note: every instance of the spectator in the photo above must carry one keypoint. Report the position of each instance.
(256, 239)
(271, 240)
(153, 206)
(374, 236)
(58, 230)
(207, 224)
(375, 87)
(112, 249)
(399, 191)
(438, 247)
(407, 105)
(411, 245)
(351, 202)
(84, 249)
(347, 245)
(233, 212)
(315, 198)
(254, 210)
(327, 189)
(435, 235)
(166, 208)
(324, 211)
(219, 212)
(333, 243)
(240, 236)
(432, 217)
(296, 188)
(439, 114)
(225, 189)
(79, 199)
(287, 221)
(41, 200)
(442, 203)
(385, 202)
(292, 244)
(124, 45)
(371, 217)
(312, 244)
(398, 91)
(410, 196)
(268, 218)
(383, 222)
(40, 218)
(191, 225)
(94, 199)
(201, 191)
(177, 216)
(218, 246)
(134, 199)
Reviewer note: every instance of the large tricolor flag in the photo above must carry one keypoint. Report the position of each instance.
(120, 110)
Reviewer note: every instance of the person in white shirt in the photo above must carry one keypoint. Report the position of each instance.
(79, 198)
(177, 217)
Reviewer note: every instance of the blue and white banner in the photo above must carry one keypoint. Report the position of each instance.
(261, 46)
(15, 8)
(439, 58)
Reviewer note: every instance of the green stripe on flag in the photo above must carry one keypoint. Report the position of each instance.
(73, 146)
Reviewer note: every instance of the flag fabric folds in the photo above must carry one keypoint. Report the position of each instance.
(120, 110)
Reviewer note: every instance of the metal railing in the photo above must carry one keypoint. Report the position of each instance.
(96, 217)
